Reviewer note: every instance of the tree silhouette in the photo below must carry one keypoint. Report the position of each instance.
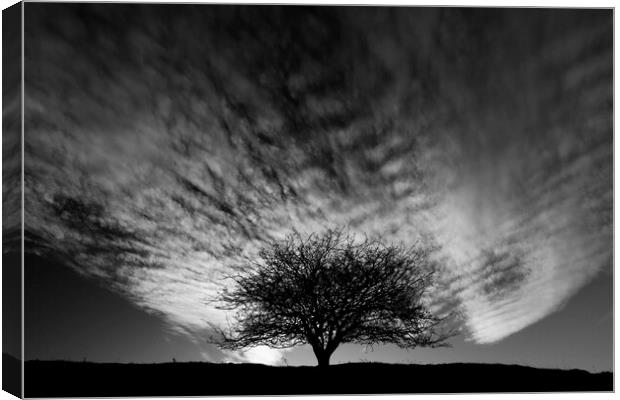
(328, 289)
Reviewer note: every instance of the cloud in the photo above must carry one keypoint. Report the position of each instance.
(166, 144)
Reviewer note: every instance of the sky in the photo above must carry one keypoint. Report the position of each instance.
(166, 144)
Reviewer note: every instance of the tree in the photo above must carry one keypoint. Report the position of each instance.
(328, 289)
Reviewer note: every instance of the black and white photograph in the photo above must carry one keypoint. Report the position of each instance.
(259, 199)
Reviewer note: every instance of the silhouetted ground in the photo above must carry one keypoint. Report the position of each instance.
(84, 379)
(11, 375)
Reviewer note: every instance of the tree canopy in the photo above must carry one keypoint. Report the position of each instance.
(328, 289)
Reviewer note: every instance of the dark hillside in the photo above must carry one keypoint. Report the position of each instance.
(83, 379)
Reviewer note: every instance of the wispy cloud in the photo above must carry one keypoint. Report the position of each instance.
(167, 144)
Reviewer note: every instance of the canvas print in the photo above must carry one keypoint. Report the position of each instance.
(292, 200)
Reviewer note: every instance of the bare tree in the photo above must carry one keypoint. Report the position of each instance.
(328, 289)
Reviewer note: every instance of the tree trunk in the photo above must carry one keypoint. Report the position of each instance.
(323, 359)
(322, 356)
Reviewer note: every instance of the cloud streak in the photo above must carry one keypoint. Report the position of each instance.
(166, 144)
